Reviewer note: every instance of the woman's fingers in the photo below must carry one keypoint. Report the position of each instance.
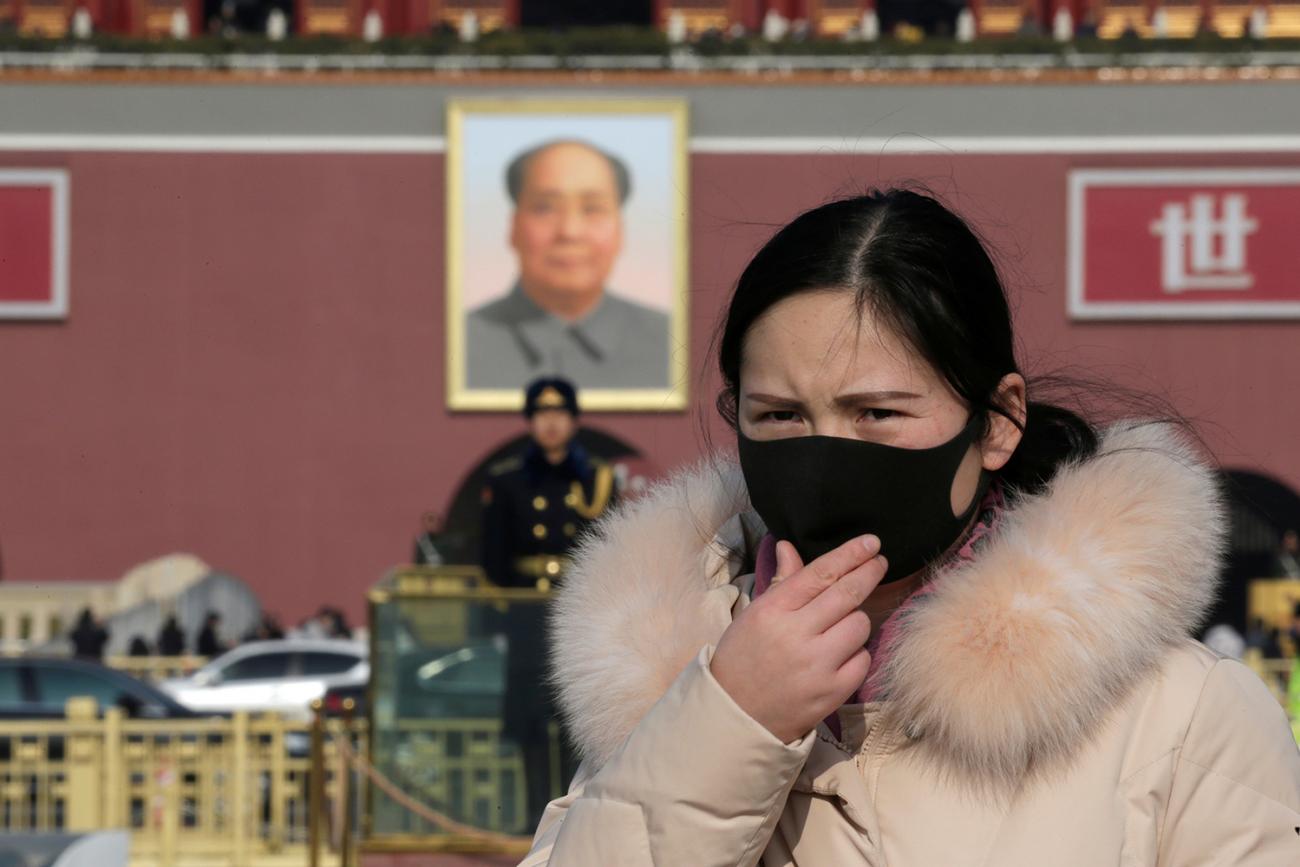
(808, 583)
(844, 595)
(788, 561)
(845, 638)
(853, 673)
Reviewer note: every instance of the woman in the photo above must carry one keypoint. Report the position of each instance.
(969, 645)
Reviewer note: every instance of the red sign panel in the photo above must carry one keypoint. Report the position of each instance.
(33, 244)
(1184, 244)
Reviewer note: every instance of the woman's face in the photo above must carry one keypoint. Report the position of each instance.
(811, 365)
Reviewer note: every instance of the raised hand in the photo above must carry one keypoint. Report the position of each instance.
(797, 652)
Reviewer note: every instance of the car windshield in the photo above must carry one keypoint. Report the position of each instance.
(261, 666)
(56, 685)
(324, 662)
(11, 689)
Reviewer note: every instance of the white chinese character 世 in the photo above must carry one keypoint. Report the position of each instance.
(1189, 237)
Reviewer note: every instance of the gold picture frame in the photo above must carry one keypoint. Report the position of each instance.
(647, 137)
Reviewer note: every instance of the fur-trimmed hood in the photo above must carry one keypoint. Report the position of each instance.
(1009, 664)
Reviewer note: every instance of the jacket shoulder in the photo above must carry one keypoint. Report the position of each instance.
(1193, 691)
(1186, 666)
(1240, 732)
(1167, 699)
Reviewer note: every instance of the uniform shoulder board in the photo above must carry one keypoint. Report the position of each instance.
(505, 465)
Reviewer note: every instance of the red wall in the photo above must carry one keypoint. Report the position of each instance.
(252, 369)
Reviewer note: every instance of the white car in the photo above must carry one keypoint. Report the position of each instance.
(283, 676)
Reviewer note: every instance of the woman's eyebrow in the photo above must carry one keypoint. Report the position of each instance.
(771, 399)
(874, 396)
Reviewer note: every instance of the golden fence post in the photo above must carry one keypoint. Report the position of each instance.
(84, 784)
(276, 790)
(345, 790)
(114, 784)
(239, 791)
(169, 781)
(315, 784)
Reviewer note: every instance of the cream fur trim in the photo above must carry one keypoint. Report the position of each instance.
(1006, 667)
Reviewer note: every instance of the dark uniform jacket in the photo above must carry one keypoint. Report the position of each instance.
(533, 513)
(535, 510)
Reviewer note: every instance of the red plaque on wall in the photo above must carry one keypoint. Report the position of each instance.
(1184, 243)
(33, 244)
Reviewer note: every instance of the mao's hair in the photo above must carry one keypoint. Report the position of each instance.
(517, 170)
(920, 270)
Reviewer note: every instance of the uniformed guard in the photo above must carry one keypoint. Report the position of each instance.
(536, 505)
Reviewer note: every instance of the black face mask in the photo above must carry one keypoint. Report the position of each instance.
(818, 492)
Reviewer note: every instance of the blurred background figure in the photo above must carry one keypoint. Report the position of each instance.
(535, 506)
(337, 624)
(1288, 556)
(1264, 638)
(208, 643)
(426, 544)
(1225, 641)
(328, 622)
(171, 640)
(88, 637)
(267, 629)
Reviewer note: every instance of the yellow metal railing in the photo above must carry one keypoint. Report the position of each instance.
(156, 668)
(460, 766)
(213, 791)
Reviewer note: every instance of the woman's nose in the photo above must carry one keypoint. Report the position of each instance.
(832, 426)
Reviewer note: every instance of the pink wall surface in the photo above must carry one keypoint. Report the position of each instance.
(252, 369)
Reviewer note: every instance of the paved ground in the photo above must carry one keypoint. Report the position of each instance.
(426, 860)
(298, 859)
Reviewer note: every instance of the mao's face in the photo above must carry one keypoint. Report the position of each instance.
(568, 226)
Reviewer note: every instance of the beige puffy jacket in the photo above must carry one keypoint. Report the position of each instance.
(1045, 706)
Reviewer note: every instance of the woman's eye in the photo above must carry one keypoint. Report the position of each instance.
(780, 415)
(878, 414)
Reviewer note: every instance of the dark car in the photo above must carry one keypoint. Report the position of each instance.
(39, 688)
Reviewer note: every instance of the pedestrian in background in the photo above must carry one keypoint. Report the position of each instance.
(88, 637)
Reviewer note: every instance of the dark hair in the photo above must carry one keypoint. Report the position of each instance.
(921, 270)
(519, 167)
